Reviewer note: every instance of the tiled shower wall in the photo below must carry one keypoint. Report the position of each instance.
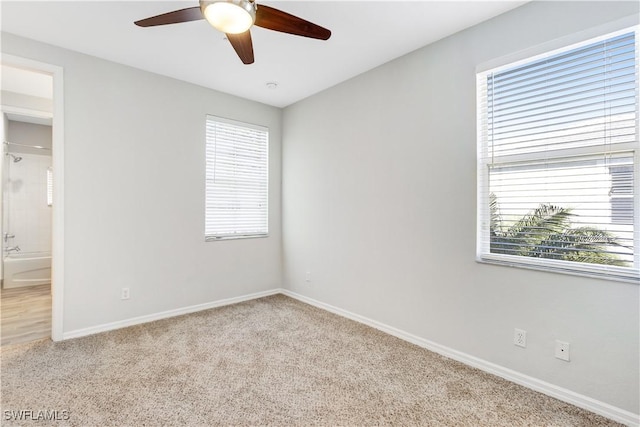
(25, 212)
(28, 215)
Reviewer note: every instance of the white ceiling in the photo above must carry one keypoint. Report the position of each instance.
(364, 35)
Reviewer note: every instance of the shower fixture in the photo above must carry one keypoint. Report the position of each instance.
(16, 159)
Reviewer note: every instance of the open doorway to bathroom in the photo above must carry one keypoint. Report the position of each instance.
(27, 203)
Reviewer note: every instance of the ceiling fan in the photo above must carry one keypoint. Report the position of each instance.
(235, 18)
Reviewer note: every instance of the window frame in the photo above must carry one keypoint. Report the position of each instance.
(483, 250)
(212, 237)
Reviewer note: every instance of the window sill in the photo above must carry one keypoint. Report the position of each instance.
(247, 236)
(617, 274)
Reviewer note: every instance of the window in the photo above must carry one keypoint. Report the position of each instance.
(237, 179)
(558, 160)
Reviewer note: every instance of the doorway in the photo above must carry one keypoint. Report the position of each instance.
(32, 200)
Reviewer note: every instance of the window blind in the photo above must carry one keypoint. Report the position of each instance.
(557, 160)
(49, 186)
(236, 201)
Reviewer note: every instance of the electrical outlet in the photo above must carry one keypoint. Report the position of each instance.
(520, 337)
(124, 293)
(307, 277)
(562, 350)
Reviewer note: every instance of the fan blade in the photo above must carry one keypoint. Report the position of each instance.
(175, 17)
(242, 45)
(277, 20)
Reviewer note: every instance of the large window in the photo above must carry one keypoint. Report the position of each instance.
(558, 160)
(237, 175)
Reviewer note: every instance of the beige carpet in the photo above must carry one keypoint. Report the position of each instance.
(272, 361)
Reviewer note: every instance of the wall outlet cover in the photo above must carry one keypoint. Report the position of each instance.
(520, 337)
(562, 350)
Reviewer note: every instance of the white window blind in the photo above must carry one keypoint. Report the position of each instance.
(558, 160)
(237, 179)
(49, 186)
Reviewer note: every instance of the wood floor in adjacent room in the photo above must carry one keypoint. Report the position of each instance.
(26, 314)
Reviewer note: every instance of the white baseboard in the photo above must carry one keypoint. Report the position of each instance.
(585, 402)
(165, 314)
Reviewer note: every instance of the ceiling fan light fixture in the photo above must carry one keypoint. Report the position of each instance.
(229, 16)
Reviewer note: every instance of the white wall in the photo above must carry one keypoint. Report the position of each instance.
(26, 133)
(134, 192)
(379, 204)
(20, 100)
